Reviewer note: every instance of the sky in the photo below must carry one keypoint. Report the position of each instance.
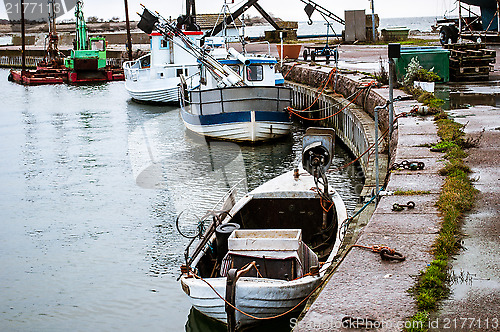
(285, 9)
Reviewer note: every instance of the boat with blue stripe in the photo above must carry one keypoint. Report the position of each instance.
(253, 111)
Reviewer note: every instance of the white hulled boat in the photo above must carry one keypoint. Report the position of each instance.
(236, 96)
(155, 77)
(268, 251)
(250, 112)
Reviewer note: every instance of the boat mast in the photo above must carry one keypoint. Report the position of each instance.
(23, 41)
(129, 38)
(52, 48)
(224, 75)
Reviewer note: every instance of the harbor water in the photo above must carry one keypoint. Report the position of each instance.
(91, 185)
(319, 27)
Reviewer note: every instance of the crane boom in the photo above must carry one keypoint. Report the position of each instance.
(311, 6)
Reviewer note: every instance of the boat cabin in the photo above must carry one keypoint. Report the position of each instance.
(166, 60)
(256, 70)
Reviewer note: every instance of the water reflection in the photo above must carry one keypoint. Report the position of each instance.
(458, 95)
(82, 238)
(197, 322)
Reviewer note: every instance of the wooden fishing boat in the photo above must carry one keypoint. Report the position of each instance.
(263, 255)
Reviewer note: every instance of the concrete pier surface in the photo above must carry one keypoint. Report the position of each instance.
(474, 302)
(364, 289)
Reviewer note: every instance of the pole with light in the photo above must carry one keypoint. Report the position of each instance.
(394, 52)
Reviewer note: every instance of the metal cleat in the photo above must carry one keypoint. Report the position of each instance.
(400, 207)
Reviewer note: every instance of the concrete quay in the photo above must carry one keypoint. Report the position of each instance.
(365, 288)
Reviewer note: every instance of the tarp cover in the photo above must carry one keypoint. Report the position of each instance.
(147, 22)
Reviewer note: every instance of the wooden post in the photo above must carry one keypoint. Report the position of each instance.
(23, 42)
(129, 38)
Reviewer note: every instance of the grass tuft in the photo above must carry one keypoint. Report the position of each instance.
(411, 192)
(418, 323)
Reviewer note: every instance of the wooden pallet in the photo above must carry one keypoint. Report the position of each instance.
(470, 62)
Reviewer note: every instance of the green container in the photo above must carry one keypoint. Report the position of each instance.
(428, 57)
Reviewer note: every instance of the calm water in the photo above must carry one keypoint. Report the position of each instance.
(91, 184)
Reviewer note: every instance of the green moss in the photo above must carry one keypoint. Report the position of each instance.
(455, 153)
(411, 192)
(417, 323)
(426, 98)
(443, 146)
(457, 197)
(454, 166)
(441, 115)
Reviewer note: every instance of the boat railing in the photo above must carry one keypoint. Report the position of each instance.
(136, 64)
(190, 80)
(219, 213)
(231, 99)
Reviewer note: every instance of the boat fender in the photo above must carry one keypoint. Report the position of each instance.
(231, 279)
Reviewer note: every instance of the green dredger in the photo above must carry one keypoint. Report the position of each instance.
(88, 53)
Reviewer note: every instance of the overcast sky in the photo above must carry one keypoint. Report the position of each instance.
(285, 9)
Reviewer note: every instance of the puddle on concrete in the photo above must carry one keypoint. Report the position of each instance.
(461, 95)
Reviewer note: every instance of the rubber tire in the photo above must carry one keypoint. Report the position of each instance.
(445, 35)
(313, 56)
(305, 54)
(454, 34)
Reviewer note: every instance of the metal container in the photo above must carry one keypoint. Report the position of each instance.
(428, 57)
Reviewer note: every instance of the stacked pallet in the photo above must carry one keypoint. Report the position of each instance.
(470, 62)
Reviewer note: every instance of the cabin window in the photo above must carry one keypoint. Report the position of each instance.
(145, 62)
(181, 71)
(97, 45)
(164, 43)
(255, 73)
(235, 68)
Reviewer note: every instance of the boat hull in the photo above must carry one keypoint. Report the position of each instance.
(155, 91)
(255, 296)
(246, 126)
(264, 297)
(242, 114)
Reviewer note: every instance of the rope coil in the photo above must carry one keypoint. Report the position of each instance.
(385, 252)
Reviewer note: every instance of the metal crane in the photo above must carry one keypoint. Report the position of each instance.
(312, 6)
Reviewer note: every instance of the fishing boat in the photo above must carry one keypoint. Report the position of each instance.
(155, 77)
(250, 112)
(237, 97)
(264, 254)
